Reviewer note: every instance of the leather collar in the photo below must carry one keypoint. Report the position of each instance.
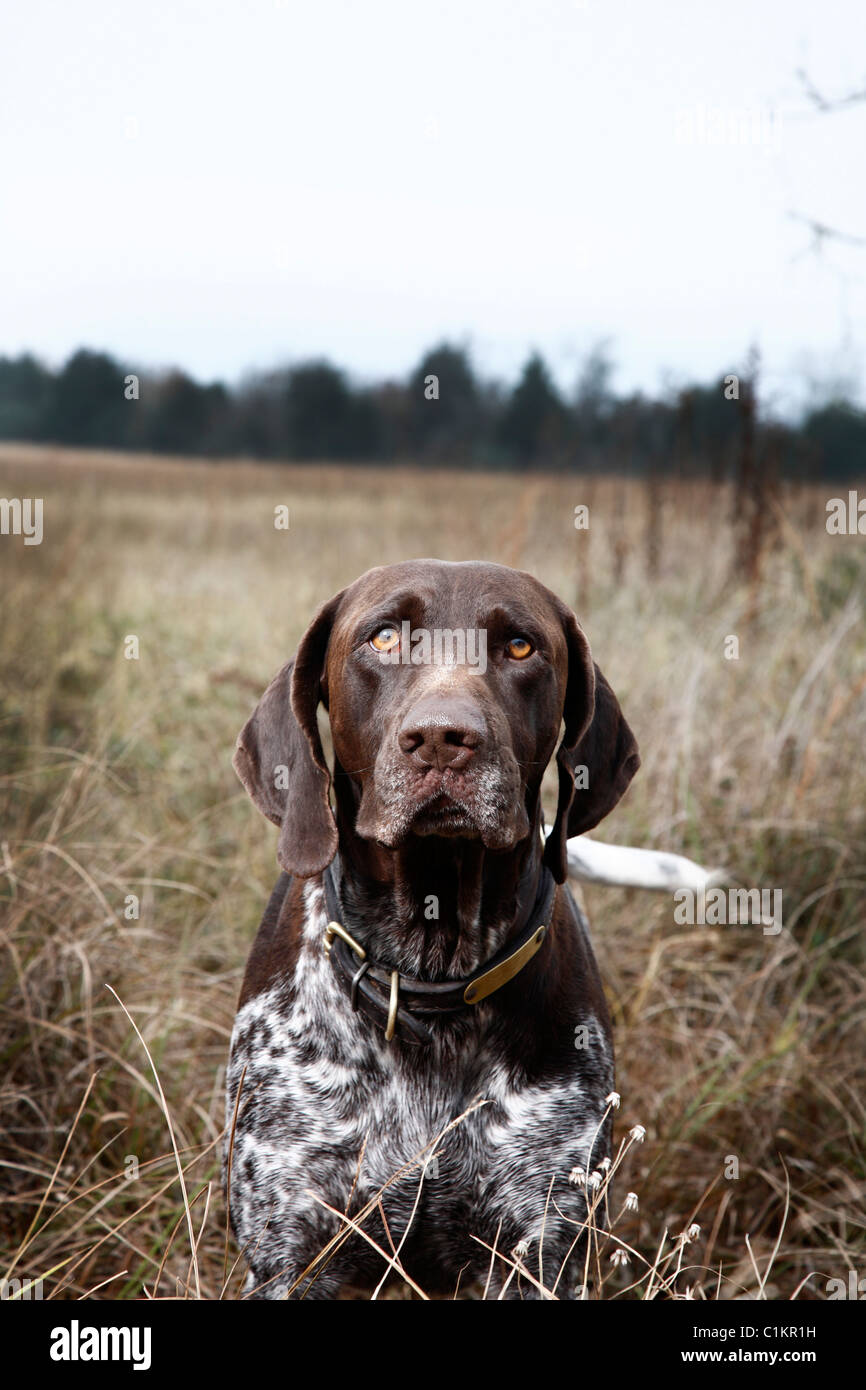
(399, 1004)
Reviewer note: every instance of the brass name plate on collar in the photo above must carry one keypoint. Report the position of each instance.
(494, 979)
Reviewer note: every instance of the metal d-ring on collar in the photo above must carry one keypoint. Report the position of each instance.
(394, 1002)
(334, 929)
(393, 1005)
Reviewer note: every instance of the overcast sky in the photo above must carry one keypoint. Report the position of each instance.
(232, 185)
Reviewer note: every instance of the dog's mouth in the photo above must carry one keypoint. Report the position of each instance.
(483, 802)
(446, 817)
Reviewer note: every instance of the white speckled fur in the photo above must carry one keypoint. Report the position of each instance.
(321, 1082)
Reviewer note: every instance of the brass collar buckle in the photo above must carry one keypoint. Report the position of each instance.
(334, 929)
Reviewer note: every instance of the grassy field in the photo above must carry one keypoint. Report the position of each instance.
(116, 780)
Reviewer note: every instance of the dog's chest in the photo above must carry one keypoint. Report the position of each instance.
(322, 1086)
(329, 1108)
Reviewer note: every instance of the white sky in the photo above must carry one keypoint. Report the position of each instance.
(227, 185)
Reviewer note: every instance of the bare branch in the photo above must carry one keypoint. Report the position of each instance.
(821, 102)
(821, 233)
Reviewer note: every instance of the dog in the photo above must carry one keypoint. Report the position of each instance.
(422, 1052)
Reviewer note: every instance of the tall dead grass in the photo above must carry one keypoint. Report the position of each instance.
(738, 1052)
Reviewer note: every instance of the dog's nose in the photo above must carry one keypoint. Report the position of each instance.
(439, 734)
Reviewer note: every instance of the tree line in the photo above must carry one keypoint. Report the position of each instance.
(442, 413)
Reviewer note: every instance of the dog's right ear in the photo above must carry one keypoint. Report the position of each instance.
(280, 760)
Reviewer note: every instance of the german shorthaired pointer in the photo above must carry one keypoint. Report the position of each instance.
(420, 956)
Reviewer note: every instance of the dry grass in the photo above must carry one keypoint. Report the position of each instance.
(116, 780)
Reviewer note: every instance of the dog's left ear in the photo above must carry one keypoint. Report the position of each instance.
(598, 755)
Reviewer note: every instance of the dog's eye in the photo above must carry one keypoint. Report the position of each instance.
(385, 639)
(519, 648)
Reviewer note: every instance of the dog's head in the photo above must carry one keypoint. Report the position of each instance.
(446, 686)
